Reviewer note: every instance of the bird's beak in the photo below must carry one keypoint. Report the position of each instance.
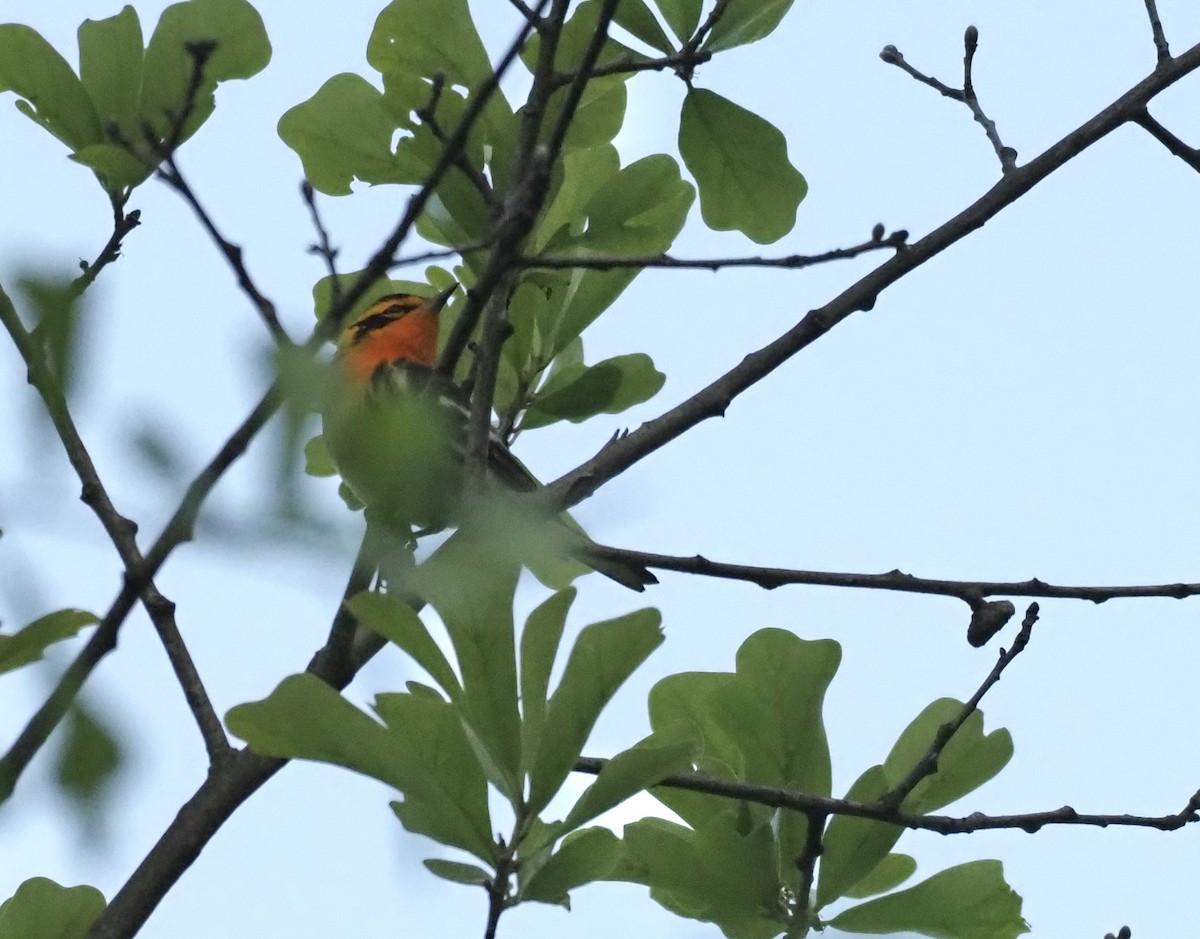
(439, 301)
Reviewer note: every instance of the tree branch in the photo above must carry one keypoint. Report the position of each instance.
(1189, 155)
(1030, 822)
(966, 94)
(896, 240)
(621, 453)
(1156, 29)
(123, 224)
(928, 764)
(769, 578)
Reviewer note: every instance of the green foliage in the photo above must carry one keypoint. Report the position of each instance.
(88, 761)
(744, 22)
(970, 901)
(42, 909)
(741, 166)
(28, 644)
(441, 753)
(124, 92)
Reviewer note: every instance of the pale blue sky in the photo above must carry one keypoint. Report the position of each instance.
(1022, 405)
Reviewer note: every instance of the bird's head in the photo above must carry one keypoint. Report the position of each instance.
(400, 327)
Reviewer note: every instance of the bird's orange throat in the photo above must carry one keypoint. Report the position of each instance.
(410, 338)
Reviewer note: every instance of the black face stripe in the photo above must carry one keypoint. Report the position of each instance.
(401, 306)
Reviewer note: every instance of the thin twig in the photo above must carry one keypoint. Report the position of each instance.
(531, 17)
(896, 240)
(1156, 28)
(966, 94)
(769, 578)
(1030, 822)
(323, 247)
(428, 116)
(927, 765)
(680, 62)
(807, 862)
(123, 224)
(1189, 155)
(621, 453)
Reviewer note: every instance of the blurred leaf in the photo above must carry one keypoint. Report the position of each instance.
(28, 644)
(344, 132)
(608, 387)
(970, 901)
(317, 461)
(855, 847)
(683, 16)
(458, 873)
(241, 51)
(604, 655)
(110, 67)
(399, 624)
(741, 166)
(408, 40)
(745, 21)
(58, 310)
(88, 760)
(645, 764)
(636, 17)
(717, 875)
(584, 857)
(968, 761)
(889, 873)
(158, 448)
(53, 95)
(42, 909)
(539, 647)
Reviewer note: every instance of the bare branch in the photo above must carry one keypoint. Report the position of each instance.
(681, 63)
(966, 94)
(896, 240)
(770, 578)
(928, 764)
(621, 453)
(138, 582)
(1156, 29)
(428, 116)
(123, 224)
(1189, 155)
(1030, 822)
(531, 17)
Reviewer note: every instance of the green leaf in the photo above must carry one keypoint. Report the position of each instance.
(88, 760)
(741, 166)
(578, 175)
(344, 132)
(636, 17)
(539, 647)
(638, 211)
(746, 21)
(718, 875)
(28, 644)
(53, 95)
(399, 624)
(242, 50)
(855, 847)
(574, 40)
(408, 40)
(889, 873)
(597, 118)
(608, 387)
(110, 67)
(605, 654)
(116, 167)
(970, 901)
(643, 765)
(683, 16)
(423, 752)
(584, 857)
(471, 582)
(42, 909)
(968, 761)
(458, 873)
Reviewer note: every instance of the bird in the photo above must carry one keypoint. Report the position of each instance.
(396, 429)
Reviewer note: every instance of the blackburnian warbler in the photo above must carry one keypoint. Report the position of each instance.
(396, 431)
